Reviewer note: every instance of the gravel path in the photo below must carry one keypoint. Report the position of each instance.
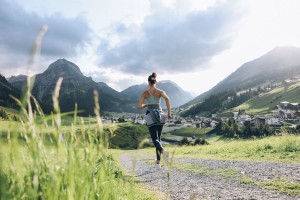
(185, 185)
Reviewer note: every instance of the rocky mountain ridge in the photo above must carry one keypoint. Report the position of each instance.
(77, 88)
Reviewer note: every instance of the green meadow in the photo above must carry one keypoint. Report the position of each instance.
(67, 162)
(283, 148)
(189, 132)
(80, 160)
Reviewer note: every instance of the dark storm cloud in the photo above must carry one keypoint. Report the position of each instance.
(174, 42)
(19, 29)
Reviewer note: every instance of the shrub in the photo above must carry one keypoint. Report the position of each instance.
(120, 120)
(200, 141)
(268, 147)
(184, 141)
(3, 114)
(292, 146)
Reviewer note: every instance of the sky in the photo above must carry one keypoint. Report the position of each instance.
(195, 43)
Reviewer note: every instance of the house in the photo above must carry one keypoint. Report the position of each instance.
(205, 123)
(271, 121)
(289, 114)
(293, 106)
(242, 112)
(284, 104)
(275, 113)
(197, 124)
(214, 116)
(297, 115)
(247, 122)
(139, 120)
(281, 114)
(213, 123)
(256, 122)
(240, 117)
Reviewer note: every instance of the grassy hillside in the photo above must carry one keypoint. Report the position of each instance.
(266, 102)
(10, 114)
(278, 64)
(10, 111)
(128, 135)
(189, 132)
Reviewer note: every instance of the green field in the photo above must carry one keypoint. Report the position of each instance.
(189, 132)
(266, 102)
(128, 136)
(285, 148)
(11, 113)
(172, 136)
(77, 166)
(32, 168)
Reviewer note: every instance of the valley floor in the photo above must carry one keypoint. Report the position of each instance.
(191, 178)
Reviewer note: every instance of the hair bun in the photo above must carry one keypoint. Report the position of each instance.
(154, 74)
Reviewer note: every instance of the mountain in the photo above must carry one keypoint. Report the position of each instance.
(176, 94)
(278, 64)
(120, 101)
(76, 88)
(18, 78)
(6, 89)
(18, 81)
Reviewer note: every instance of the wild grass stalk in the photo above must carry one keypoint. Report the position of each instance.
(50, 161)
(76, 165)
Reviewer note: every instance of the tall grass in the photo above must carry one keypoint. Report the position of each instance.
(69, 166)
(43, 160)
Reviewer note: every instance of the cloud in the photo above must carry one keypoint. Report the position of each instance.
(173, 42)
(119, 82)
(65, 36)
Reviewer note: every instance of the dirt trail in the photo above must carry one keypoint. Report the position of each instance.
(208, 184)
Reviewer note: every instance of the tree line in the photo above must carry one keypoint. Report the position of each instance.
(5, 116)
(232, 130)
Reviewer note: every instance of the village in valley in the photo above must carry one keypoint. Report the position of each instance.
(238, 122)
(285, 113)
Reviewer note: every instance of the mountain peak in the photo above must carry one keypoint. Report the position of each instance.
(169, 82)
(14, 79)
(63, 66)
(102, 84)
